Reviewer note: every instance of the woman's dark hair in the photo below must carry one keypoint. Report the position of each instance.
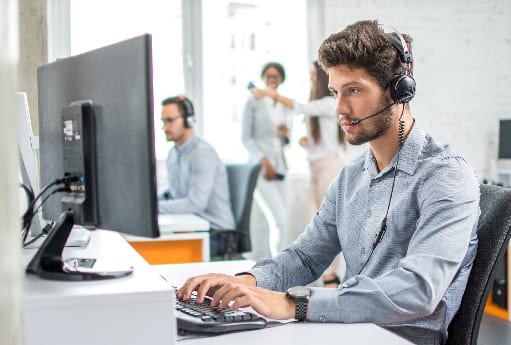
(277, 66)
(319, 92)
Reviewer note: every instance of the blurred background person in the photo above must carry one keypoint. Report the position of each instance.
(324, 144)
(265, 132)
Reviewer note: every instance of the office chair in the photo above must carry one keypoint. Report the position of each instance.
(493, 232)
(242, 179)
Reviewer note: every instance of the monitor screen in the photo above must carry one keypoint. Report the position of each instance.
(505, 139)
(96, 131)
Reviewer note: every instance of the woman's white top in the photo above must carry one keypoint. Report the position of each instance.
(324, 108)
(259, 131)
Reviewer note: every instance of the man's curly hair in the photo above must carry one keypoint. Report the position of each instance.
(365, 45)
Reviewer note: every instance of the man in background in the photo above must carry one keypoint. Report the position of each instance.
(197, 178)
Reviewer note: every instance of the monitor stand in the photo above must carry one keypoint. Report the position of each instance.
(49, 264)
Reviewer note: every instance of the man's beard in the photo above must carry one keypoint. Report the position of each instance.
(381, 123)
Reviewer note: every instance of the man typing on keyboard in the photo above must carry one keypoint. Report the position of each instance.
(404, 214)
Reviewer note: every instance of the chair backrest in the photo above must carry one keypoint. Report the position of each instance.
(242, 182)
(493, 233)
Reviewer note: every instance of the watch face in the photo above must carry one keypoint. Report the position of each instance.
(299, 291)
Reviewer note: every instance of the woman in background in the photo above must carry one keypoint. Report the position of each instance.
(264, 134)
(323, 143)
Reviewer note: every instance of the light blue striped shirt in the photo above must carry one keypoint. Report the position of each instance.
(197, 183)
(415, 279)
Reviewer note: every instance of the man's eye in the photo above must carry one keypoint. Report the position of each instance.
(354, 90)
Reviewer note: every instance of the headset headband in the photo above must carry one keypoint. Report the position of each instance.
(399, 42)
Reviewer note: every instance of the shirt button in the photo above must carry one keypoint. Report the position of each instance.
(322, 318)
(369, 213)
(363, 250)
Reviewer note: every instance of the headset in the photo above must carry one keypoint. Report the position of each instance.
(402, 90)
(402, 87)
(189, 114)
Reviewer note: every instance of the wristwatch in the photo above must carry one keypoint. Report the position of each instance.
(300, 296)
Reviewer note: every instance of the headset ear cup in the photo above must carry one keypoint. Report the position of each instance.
(189, 122)
(188, 106)
(402, 88)
(189, 112)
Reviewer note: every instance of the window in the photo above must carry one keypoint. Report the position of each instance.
(96, 23)
(239, 37)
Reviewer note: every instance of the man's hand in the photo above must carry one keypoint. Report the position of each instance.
(208, 284)
(238, 292)
(272, 304)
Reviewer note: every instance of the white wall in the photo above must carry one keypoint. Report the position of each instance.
(462, 51)
(11, 283)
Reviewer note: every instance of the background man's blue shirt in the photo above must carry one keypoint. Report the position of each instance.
(197, 183)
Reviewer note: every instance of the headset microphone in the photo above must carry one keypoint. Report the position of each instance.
(402, 90)
(356, 122)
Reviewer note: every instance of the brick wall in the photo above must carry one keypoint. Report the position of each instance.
(462, 51)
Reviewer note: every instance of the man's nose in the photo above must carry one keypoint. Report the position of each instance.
(340, 107)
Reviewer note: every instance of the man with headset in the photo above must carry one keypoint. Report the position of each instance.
(197, 179)
(404, 214)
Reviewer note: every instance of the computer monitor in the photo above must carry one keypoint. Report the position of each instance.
(96, 134)
(505, 139)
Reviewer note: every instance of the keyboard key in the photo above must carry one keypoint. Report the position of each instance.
(213, 319)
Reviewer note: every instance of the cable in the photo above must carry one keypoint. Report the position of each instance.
(383, 227)
(45, 231)
(29, 191)
(64, 180)
(59, 190)
(55, 191)
(31, 213)
(30, 199)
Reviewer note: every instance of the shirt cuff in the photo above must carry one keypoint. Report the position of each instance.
(323, 305)
(263, 278)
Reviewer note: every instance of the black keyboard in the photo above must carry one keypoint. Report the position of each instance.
(203, 318)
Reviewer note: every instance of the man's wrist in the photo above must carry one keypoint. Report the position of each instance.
(248, 278)
(291, 307)
(300, 295)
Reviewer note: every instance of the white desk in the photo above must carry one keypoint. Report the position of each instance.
(137, 309)
(308, 334)
(183, 238)
(171, 223)
(299, 333)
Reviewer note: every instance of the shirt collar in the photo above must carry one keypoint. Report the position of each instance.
(408, 157)
(187, 145)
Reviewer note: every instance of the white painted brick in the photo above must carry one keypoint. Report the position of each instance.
(462, 52)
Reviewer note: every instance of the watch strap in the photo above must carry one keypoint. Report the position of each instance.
(301, 305)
